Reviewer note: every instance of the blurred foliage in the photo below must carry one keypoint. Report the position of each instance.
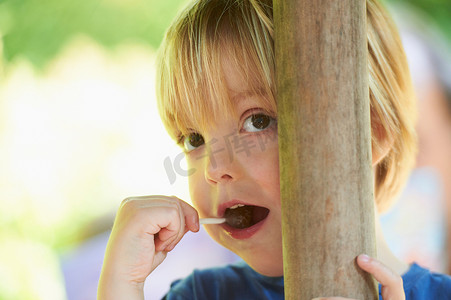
(37, 29)
(438, 12)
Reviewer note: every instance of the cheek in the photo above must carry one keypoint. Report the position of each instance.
(197, 186)
(264, 168)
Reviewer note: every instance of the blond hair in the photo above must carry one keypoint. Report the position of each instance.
(191, 91)
(392, 102)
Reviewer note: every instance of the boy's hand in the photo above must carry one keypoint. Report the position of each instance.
(145, 229)
(391, 283)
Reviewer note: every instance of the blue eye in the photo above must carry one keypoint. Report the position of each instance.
(192, 141)
(257, 122)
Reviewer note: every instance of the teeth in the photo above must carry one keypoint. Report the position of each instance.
(236, 206)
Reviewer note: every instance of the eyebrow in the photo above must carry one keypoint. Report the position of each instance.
(241, 95)
(245, 100)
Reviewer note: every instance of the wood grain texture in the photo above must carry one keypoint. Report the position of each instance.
(325, 147)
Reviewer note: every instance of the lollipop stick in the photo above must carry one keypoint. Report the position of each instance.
(212, 220)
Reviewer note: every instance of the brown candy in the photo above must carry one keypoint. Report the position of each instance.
(240, 217)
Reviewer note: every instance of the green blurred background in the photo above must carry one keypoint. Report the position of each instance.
(78, 126)
(37, 29)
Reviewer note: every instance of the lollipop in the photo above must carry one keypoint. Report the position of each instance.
(239, 216)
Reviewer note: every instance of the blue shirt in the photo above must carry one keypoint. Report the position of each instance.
(420, 283)
(239, 281)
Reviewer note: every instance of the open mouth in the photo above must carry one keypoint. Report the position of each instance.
(242, 216)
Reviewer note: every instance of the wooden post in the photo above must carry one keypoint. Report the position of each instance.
(325, 147)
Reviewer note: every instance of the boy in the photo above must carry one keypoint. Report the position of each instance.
(216, 90)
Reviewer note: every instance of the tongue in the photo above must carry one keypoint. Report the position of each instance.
(245, 216)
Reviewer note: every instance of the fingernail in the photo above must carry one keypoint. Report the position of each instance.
(364, 258)
(195, 220)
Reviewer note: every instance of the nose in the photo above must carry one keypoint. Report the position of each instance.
(221, 166)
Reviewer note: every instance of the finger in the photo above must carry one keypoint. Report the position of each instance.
(391, 283)
(163, 217)
(191, 216)
(149, 214)
(170, 228)
(174, 239)
(164, 239)
(382, 274)
(181, 232)
(191, 220)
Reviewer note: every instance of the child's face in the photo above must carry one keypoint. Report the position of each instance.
(237, 164)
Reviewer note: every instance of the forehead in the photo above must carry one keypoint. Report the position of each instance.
(244, 83)
(235, 81)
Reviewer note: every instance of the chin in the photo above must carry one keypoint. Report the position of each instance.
(268, 263)
(270, 269)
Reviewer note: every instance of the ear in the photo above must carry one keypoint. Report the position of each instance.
(385, 144)
(379, 154)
